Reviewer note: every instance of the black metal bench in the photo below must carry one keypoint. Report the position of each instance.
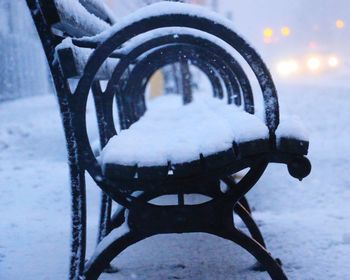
(127, 59)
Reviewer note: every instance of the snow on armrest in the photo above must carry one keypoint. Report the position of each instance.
(73, 60)
(292, 136)
(74, 16)
(71, 17)
(99, 9)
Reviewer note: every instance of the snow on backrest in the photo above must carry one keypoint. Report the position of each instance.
(99, 9)
(78, 57)
(73, 18)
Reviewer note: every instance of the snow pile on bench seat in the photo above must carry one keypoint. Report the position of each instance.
(170, 131)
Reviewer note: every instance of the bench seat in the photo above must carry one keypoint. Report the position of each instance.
(172, 139)
(172, 132)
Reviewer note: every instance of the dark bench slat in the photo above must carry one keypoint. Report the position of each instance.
(293, 145)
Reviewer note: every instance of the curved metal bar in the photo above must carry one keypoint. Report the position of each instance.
(259, 252)
(144, 70)
(205, 44)
(96, 266)
(118, 218)
(134, 108)
(105, 201)
(250, 223)
(142, 26)
(214, 59)
(198, 56)
(200, 23)
(149, 63)
(240, 189)
(114, 246)
(210, 72)
(231, 183)
(245, 204)
(179, 39)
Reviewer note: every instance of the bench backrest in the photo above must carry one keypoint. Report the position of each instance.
(76, 18)
(148, 53)
(57, 20)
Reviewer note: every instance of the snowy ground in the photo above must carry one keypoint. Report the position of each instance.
(305, 224)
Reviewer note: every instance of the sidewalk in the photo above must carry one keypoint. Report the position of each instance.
(301, 222)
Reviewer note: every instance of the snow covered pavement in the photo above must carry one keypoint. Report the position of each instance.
(306, 225)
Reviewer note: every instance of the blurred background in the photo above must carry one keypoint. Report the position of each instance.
(301, 41)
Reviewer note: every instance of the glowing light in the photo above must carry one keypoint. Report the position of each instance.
(267, 40)
(312, 45)
(285, 31)
(288, 67)
(340, 24)
(333, 61)
(268, 32)
(314, 64)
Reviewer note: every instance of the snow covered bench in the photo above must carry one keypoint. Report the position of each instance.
(172, 139)
(164, 147)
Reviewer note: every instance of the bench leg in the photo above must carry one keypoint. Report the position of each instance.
(78, 243)
(250, 223)
(118, 218)
(121, 238)
(231, 183)
(110, 249)
(272, 266)
(240, 209)
(105, 216)
(245, 204)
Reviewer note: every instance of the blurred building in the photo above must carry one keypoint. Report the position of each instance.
(23, 69)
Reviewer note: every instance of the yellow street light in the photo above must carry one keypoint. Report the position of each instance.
(268, 32)
(340, 24)
(285, 31)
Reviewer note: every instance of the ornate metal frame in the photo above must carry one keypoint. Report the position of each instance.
(127, 85)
